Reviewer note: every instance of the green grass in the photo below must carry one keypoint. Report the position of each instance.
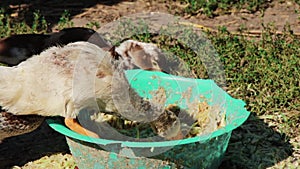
(65, 21)
(9, 25)
(264, 72)
(217, 7)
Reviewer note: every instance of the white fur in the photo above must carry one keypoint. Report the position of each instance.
(43, 84)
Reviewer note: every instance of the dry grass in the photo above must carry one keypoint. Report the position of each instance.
(57, 161)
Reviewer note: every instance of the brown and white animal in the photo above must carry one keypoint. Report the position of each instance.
(62, 81)
(18, 48)
(141, 55)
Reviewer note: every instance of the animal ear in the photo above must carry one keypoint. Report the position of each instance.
(115, 55)
(138, 53)
(135, 47)
(147, 56)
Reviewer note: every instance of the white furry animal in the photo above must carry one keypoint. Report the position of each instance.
(63, 81)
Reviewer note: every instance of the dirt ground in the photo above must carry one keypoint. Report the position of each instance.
(278, 13)
(45, 141)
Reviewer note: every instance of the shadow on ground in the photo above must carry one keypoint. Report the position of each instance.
(51, 10)
(32, 146)
(255, 145)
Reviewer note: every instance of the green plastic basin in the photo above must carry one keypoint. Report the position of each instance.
(205, 151)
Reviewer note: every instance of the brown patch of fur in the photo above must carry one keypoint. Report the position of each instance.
(100, 74)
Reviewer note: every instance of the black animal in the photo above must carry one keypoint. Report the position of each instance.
(17, 48)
